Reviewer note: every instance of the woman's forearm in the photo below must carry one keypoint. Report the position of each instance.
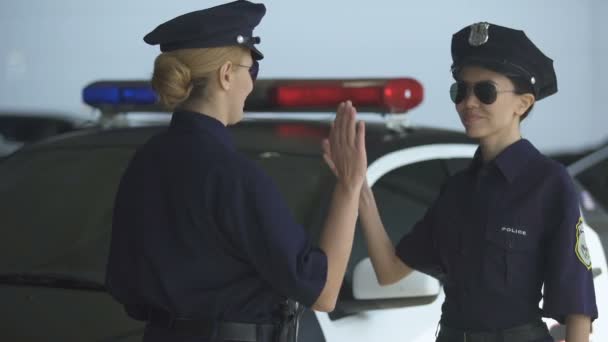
(578, 328)
(388, 267)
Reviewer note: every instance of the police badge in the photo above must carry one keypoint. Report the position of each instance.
(581, 250)
(479, 34)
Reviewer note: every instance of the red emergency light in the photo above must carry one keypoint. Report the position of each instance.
(385, 96)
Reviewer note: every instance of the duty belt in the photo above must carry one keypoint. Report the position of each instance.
(213, 329)
(522, 333)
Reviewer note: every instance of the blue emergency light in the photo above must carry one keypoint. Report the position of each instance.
(100, 95)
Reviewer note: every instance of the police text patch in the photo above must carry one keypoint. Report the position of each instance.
(582, 252)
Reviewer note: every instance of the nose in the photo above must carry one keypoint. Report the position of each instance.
(470, 100)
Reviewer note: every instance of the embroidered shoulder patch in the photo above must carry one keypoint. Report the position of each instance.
(582, 252)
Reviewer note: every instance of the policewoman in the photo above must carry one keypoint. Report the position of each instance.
(508, 223)
(203, 246)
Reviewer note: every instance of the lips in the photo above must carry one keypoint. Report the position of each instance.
(468, 119)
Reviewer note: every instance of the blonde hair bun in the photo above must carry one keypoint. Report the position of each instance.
(172, 80)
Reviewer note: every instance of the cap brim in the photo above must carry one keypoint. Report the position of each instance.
(255, 53)
(506, 69)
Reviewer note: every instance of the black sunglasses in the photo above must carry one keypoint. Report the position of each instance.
(485, 91)
(253, 69)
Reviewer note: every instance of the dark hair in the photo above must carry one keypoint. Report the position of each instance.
(522, 86)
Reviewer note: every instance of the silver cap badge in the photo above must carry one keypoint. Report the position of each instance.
(240, 39)
(479, 34)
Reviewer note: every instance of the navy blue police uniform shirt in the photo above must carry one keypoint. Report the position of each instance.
(202, 232)
(497, 232)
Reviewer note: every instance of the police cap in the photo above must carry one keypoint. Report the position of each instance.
(223, 25)
(506, 51)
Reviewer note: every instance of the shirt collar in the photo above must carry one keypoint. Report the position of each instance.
(202, 124)
(511, 161)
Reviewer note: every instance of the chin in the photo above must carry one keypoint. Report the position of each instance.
(474, 133)
(477, 134)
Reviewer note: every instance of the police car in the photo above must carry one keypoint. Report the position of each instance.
(57, 199)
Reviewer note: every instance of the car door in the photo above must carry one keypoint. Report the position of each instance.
(56, 213)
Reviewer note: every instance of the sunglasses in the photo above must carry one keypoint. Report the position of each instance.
(485, 91)
(253, 69)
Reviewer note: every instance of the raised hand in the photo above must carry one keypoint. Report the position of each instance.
(344, 150)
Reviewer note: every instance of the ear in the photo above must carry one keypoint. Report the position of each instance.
(525, 102)
(225, 75)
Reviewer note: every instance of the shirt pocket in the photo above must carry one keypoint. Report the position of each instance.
(507, 261)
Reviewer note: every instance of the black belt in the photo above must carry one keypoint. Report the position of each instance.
(212, 329)
(522, 333)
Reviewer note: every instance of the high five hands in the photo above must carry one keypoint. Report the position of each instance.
(344, 149)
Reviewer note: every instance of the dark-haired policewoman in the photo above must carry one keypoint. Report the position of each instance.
(204, 247)
(508, 224)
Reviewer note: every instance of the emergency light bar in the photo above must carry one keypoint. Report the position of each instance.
(274, 95)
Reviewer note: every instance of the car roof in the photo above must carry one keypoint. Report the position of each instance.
(283, 136)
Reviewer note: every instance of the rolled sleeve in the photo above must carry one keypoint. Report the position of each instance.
(568, 283)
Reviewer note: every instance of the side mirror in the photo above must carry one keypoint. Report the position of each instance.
(415, 285)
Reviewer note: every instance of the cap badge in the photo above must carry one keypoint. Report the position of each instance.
(240, 39)
(479, 34)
